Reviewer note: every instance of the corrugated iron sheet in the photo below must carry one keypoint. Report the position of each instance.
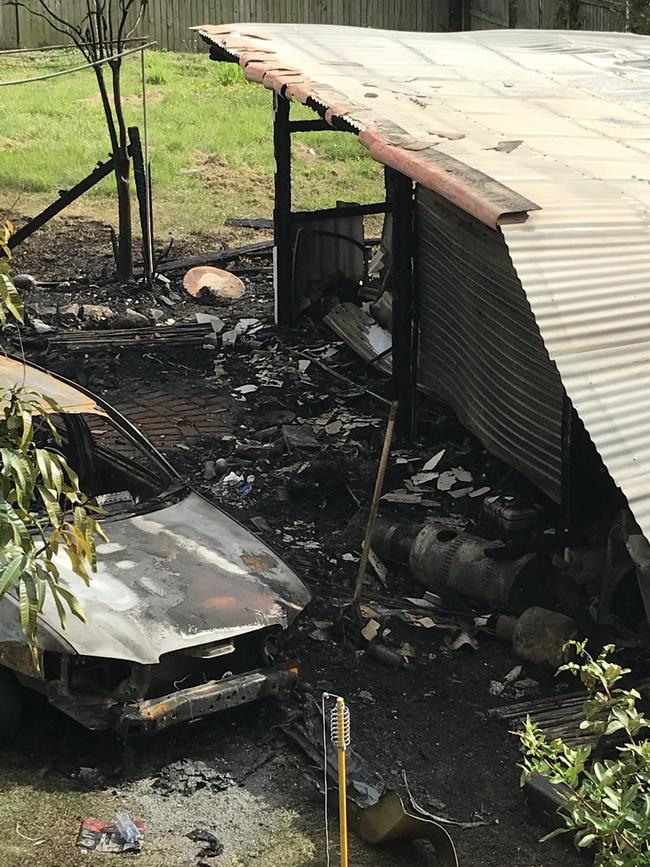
(496, 120)
(480, 347)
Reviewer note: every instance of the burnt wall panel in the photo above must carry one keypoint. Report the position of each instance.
(480, 348)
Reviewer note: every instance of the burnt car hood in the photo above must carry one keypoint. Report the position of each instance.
(181, 576)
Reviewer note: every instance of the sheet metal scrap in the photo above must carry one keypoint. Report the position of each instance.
(123, 338)
(363, 334)
(377, 814)
(71, 399)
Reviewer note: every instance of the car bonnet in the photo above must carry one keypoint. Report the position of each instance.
(178, 577)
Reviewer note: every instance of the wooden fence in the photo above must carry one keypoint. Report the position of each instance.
(548, 14)
(168, 21)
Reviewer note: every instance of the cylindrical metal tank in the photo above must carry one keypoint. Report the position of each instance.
(445, 559)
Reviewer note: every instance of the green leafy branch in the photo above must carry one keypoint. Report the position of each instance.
(43, 512)
(606, 803)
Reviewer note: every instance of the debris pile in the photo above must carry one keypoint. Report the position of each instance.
(186, 776)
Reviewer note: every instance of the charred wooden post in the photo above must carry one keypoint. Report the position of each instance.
(144, 201)
(567, 448)
(282, 212)
(459, 15)
(401, 194)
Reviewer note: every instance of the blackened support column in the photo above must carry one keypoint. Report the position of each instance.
(282, 255)
(400, 191)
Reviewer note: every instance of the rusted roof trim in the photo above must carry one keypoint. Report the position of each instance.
(471, 190)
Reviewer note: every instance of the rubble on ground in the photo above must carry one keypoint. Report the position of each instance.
(303, 422)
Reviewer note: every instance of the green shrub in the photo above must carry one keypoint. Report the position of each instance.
(229, 74)
(607, 803)
(156, 68)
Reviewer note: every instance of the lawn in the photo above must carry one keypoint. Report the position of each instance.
(210, 143)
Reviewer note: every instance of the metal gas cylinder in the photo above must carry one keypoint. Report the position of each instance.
(445, 559)
(392, 540)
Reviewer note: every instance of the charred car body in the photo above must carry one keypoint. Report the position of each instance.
(184, 603)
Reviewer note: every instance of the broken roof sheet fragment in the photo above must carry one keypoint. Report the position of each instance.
(15, 373)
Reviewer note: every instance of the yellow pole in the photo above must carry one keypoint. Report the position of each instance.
(343, 806)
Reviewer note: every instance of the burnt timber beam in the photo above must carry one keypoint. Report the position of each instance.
(401, 194)
(343, 211)
(66, 197)
(316, 125)
(283, 254)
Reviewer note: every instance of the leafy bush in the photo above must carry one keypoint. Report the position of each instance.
(157, 68)
(229, 74)
(43, 513)
(607, 803)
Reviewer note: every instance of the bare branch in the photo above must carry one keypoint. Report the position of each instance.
(54, 17)
(109, 16)
(92, 33)
(143, 6)
(126, 8)
(67, 30)
(103, 35)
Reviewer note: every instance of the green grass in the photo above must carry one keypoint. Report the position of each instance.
(41, 817)
(210, 143)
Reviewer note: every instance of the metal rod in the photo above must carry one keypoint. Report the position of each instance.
(76, 68)
(283, 252)
(343, 805)
(374, 507)
(67, 46)
(147, 165)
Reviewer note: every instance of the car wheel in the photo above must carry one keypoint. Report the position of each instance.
(10, 705)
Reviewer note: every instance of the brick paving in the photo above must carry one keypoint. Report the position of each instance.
(175, 411)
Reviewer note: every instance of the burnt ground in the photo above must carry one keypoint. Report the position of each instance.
(428, 719)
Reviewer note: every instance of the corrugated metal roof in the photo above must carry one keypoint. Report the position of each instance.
(480, 347)
(494, 121)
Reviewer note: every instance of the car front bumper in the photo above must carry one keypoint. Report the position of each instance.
(152, 715)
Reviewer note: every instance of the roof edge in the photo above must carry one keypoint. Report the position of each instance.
(471, 190)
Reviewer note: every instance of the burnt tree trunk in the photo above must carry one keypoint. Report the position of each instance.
(122, 164)
(122, 176)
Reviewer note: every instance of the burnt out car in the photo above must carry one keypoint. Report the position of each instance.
(185, 602)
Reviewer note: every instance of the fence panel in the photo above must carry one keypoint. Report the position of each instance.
(168, 21)
(489, 14)
(600, 15)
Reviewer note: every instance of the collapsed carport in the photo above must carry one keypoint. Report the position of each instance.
(517, 183)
